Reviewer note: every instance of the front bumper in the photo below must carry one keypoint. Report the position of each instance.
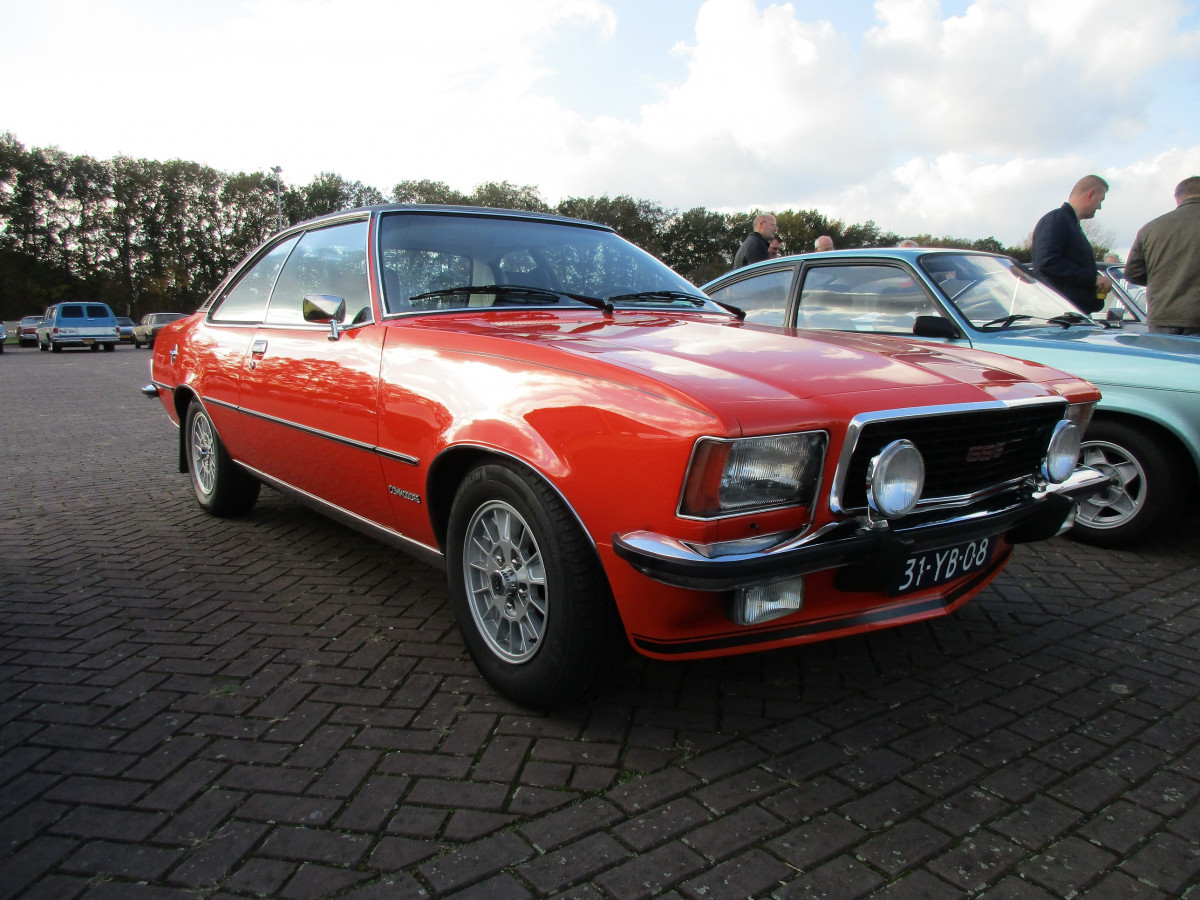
(868, 558)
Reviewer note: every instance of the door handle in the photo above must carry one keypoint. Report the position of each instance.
(258, 350)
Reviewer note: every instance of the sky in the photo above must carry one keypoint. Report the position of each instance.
(961, 118)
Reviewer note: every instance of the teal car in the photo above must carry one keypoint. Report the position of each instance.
(1145, 433)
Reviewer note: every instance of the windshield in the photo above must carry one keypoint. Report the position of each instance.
(431, 261)
(995, 292)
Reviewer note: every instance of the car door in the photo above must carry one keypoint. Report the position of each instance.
(312, 389)
(222, 347)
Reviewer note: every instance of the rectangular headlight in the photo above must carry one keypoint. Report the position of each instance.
(729, 477)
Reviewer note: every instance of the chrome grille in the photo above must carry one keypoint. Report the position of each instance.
(966, 452)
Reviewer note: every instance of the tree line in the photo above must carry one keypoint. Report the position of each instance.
(150, 236)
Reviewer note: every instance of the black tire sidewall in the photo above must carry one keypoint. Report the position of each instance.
(234, 490)
(566, 667)
(1156, 462)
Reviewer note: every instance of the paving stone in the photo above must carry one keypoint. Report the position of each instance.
(903, 847)
(1067, 866)
(752, 873)
(476, 861)
(219, 854)
(573, 863)
(649, 874)
(815, 842)
(277, 706)
(843, 878)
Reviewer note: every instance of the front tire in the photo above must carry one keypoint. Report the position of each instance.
(528, 591)
(222, 487)
(1142, 489)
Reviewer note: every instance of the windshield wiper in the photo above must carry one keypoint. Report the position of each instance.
(735, 311)
(1005, 321)
(1067, 319)
(698, 302)
(514, 292)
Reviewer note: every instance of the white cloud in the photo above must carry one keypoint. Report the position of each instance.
(971, 124)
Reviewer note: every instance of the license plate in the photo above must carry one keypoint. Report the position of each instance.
(934, 567)
(87, 341)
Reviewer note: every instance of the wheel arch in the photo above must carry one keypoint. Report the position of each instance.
(1161, 434)
(449, 470)
(182, 398)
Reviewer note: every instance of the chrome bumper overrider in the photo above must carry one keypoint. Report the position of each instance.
(874, 553)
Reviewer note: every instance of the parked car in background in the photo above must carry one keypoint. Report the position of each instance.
(147, 330)
(597, 453)
(125, 329)
(3, 336)
(1146, 432)
(88, 324)
(27, 331)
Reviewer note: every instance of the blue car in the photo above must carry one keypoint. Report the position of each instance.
(1145, 434)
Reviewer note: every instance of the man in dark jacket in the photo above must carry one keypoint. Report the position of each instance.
(756, 246)
(1062, 254)
(1166, 256)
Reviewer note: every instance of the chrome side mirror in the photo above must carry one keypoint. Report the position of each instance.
(325, 308)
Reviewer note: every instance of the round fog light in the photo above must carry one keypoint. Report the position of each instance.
(895, 478)
(1062, 454)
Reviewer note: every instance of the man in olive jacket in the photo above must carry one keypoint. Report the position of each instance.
(1166, 257)
(1062, 254)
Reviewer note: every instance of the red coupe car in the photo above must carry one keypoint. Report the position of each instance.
(598, 454)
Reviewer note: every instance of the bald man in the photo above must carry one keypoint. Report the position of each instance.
(757, 245)
(1062, 254)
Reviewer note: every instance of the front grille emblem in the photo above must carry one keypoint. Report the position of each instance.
(984, 452)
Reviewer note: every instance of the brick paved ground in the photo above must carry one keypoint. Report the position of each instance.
(278, 707)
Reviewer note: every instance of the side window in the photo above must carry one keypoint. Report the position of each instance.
(329, 261)
(247, 300)
(883, 299)
(763, 297)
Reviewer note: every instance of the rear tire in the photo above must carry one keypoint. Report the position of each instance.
(1142, 493)
(222, 487)
(530, 596)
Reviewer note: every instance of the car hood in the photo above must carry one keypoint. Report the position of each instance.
(1113, 357)
(739, 366)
